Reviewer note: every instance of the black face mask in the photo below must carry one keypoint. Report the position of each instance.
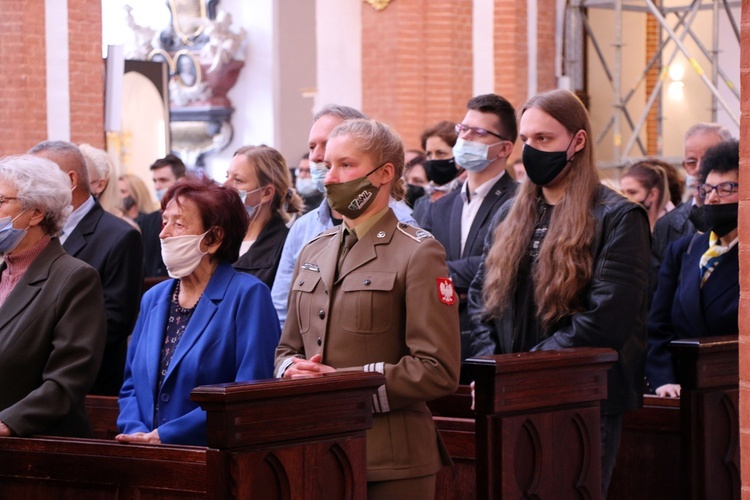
(698, 218)
(413, 193)
(543, 167)
(721, 219)
(441, 171)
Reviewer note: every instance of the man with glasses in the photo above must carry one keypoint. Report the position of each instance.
(686, 218)
(459, 220)
(306, 186)
(698, 293)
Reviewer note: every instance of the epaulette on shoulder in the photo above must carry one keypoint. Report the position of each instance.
(328, 232)
(414, 233)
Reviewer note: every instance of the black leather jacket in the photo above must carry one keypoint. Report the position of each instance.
(616, 301)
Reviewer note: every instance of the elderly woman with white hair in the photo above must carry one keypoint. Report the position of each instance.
(52, 321)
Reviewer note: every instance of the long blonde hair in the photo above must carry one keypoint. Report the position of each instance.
(271, 170)
(139, 193)
(564, 267)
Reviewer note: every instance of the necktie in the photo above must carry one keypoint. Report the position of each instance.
(350, 238)
(712, 257)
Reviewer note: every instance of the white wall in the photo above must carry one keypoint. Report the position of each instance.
(339, 57)
(484, 53)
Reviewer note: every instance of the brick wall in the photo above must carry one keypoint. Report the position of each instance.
(86, 72)
(23, 102)
(23, 99)
(416, 64)
(545, 60)
(511, 51)
(744, 228)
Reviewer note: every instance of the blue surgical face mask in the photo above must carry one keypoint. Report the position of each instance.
(251, 209)
(10, 237)
(160, 194)
(471, 155)
(318, 173)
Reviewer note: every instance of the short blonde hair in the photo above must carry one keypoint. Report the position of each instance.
(383, 145)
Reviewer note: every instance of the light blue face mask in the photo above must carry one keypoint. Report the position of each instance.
(160, 194)
(251, 210)
(318, 173)
(472, 155)
(306, 186)
(10, 237)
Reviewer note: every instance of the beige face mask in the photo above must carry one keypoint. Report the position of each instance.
(182, 254)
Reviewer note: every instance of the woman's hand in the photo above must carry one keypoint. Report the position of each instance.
(301, 368)
(140, 437)
(668, 391)
(5, 430)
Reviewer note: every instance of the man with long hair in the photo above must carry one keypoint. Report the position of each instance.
(567, 262)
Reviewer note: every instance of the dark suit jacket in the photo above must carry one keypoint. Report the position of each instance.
(262, 260)
(115, 249)
(682, 309)
(673, 226)
(443, 220)
(52, 334)
(150, 225)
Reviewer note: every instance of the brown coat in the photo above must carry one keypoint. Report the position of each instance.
(383, 314)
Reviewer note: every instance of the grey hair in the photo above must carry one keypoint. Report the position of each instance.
(340, 111)
(379, 141)
(40, 184)
(68, 157)
(709, 128)
(98, 159)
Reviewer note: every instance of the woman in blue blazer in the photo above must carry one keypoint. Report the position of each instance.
(209, 325)
(698, 290)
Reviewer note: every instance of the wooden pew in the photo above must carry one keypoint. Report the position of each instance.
(687, 447)
(269, 439)
(536, 429)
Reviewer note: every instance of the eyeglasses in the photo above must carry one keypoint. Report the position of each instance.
(3, 199)
(723, 189)
(480, 132)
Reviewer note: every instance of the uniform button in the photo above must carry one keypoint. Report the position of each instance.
(366, 282)
(164, 397)
(301, 282)
(320, 342)
(321, 314)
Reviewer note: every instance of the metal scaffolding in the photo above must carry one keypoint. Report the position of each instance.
(676, 25)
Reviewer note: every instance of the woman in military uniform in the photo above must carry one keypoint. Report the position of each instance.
(374, 295)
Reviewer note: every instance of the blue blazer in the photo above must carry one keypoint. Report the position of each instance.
(682, 309)
(231, 337)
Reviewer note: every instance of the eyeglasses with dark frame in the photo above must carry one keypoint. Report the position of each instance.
(3, 199)
(480, 132)
(722, 189)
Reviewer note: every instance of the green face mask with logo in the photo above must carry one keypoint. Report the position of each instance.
(352, 198)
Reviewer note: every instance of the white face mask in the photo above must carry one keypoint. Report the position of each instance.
(318, 173)
(306, 186)
(472, 155)
(182, 254)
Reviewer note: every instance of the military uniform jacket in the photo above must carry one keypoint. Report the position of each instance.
(392, 310)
